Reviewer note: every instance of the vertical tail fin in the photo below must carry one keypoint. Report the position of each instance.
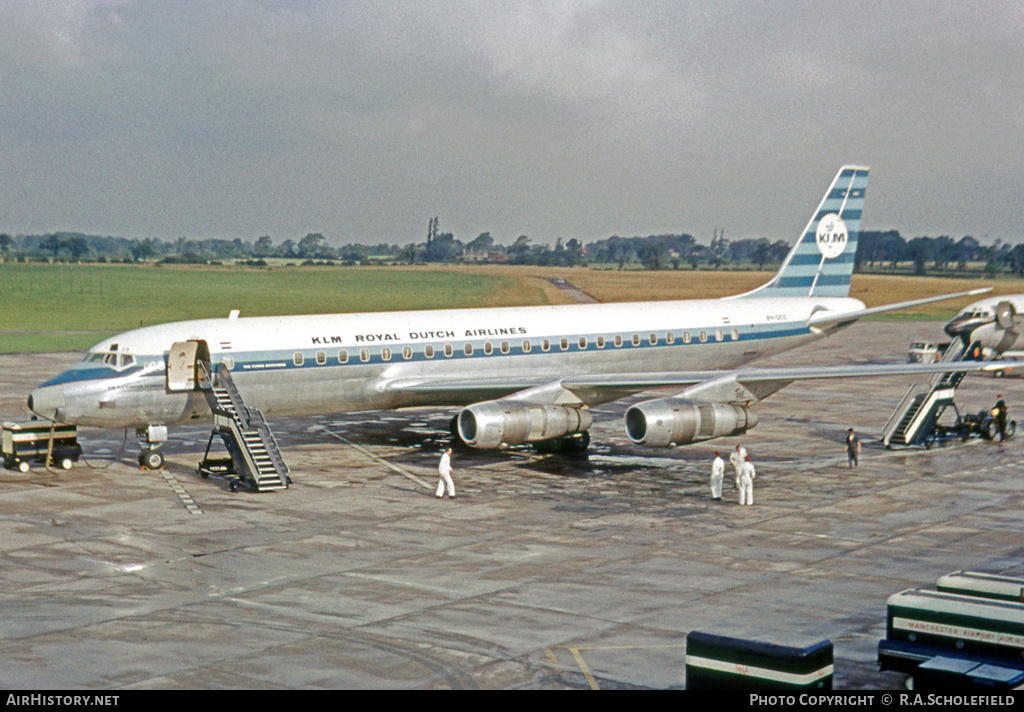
(821, 262)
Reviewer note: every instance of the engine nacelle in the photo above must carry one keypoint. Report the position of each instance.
(667, 422)
(492, 424)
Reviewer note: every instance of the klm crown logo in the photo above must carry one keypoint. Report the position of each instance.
(831, 236)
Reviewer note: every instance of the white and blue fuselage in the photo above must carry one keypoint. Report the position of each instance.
(306, 365)
(520, 374)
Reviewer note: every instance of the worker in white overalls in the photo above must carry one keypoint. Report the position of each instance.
(717, 475)
(444, 470)
(738, 456)
(747, 476)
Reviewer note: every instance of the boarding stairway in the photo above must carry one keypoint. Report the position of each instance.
(915, 417)
(255, 455)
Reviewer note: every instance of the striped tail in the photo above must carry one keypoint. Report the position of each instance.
(821, 262)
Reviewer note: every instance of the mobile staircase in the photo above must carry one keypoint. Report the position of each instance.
(255, 457)
(915, 417)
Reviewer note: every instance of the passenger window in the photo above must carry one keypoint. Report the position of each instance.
(564, 343)
(686, 337)
(343, 356)
(385, 354)
(653, 339)
(670, 338)
(468, 349)
(321, 357)
(735, 334)
(600, 342)
(428, 351)
(527, 347)
(505, 348)
(703, 336)
(583, 342)
(488, 349)
(545, 345)
(297, 358)
(636, 339)
(364, 355)
(448, 350)
(407, 353)
(718, 335)
(618, 340)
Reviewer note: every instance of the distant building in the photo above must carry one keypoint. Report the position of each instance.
(484, 256)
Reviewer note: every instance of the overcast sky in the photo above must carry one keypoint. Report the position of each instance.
(557, 118)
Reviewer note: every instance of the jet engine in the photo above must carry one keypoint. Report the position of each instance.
(492, 424)
(667, 422)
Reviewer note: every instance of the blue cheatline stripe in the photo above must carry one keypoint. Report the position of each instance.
(814, 260)
(92, 373)
(849, 214)
(261, 360)
(824, 280)
(283, 359)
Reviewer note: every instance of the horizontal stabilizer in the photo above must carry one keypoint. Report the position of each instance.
(828, 318)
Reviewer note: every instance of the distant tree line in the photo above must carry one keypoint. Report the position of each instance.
(877, 251)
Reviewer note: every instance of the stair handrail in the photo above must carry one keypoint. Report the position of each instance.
(900, 412)
(225, 381)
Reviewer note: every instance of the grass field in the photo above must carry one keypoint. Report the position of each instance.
(70, 307)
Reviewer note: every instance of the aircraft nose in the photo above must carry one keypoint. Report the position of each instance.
(46, 401)
(964, 326)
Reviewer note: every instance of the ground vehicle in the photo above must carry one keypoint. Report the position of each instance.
(982, 424)
(925, 351)
(30, 441)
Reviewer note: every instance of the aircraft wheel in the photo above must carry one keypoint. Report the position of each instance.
(23, 466)
(989, 430)
(578, 443)
(65, 464)
(151, 459)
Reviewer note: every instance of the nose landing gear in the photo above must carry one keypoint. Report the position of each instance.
(151, 456)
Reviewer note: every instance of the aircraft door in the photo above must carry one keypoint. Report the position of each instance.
(183, 371)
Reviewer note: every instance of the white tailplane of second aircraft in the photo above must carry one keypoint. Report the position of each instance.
(519, 374)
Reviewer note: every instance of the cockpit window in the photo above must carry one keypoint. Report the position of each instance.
(113, 359)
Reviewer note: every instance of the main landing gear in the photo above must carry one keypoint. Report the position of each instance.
(151, 456)
(576, 444)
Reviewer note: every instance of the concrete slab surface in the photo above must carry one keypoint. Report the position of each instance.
(544, 572)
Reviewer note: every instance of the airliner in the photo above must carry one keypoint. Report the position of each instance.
(518, 375)
(995, 323)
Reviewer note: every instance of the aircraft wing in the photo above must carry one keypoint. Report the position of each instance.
(830, 318)
(740, 386)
